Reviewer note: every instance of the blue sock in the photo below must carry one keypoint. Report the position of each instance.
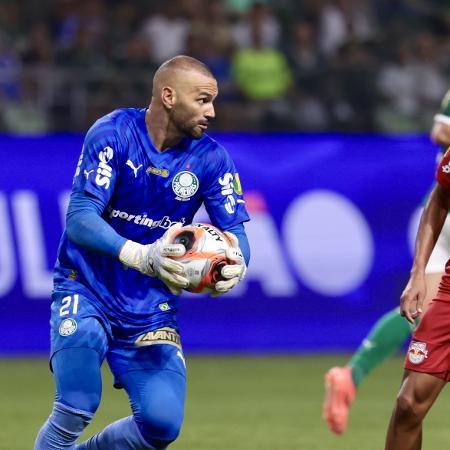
(123, 434)
(62, 428)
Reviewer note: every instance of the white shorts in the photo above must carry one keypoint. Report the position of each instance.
(441, 252)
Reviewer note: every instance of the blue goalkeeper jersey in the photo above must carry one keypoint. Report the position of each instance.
(145, 192)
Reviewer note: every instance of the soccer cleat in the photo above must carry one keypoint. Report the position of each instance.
(339, 394)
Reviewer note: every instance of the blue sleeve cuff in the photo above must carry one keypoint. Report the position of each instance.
(239, 231)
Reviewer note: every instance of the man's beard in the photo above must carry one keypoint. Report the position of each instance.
(191, 131)
(186, 127)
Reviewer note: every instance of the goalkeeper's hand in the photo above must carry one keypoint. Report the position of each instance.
(152, 260)
(233, 273)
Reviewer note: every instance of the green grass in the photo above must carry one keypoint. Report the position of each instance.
(243, 403)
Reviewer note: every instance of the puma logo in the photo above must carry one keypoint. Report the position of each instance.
(135, 169)
(86, 173)
(180, 355)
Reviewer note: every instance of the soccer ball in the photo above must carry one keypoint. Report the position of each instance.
(205, 255)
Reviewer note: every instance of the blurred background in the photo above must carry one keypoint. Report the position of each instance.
(326, 108)
(344, 65)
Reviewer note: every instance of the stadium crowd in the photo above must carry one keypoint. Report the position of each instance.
(307, 65)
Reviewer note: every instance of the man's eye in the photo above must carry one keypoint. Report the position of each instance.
(203, 100)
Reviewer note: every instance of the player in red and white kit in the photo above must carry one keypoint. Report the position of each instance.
(427, 364)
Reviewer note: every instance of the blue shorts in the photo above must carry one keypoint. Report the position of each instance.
(77, 323)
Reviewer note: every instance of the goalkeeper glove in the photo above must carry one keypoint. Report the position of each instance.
(152, 260)
(233, 273)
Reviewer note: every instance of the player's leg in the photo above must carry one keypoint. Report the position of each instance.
(384, 339)
(427, 365)
(416, 396)
(79, 344)
(389, 333)
(156, 387)
(78, 390)
(157, 401)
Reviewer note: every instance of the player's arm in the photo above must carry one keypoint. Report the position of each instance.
(431, 223)
(225, 205)
(85, 225)
(440, 133)
(238, 255)
(241, 236)
(87, 228)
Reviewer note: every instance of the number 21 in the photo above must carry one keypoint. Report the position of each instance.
(66, 303)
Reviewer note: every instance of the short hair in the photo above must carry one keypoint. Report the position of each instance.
(180, 62)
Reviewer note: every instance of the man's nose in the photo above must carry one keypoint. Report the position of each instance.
(210, 113)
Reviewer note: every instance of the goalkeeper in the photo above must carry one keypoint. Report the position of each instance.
(390, 332)
(115, 293)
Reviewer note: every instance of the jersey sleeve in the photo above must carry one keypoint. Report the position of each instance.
(222, 192)
(443, 171)
(443, 116)
(98, 165)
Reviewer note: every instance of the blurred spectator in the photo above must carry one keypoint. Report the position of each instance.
(431, 82)
(124, 22)
(134, 55)
(261, 73)
(397, 87)
(342, 21)
(25, 114)
(166, 32)
(215, 30)
(305, 57)
(38, 48)
(263, 77)
(66, 22)
(81, 53)
(308, 113)
(309, 65)
(350, 88)
(411, 86)
(261, 17)
(94, 21)
(12, 25)
(10, 67)
(239, 6)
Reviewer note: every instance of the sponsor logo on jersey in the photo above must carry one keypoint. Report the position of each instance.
(446, 168)
(237, 184)
(135, 169)
(227, 183)
(67, 327)
(104, 170)
(185, 184)
(164, 306)
(417, 352)
(80, 161)
(160, 172)
(164, 335)
(180, 355)
(142, 219)
(73, 275)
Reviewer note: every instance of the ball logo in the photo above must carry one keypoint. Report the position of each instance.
(417, 352)
(67, 327)
(185, 185)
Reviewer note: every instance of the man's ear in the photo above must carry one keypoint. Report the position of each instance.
(168, 97)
